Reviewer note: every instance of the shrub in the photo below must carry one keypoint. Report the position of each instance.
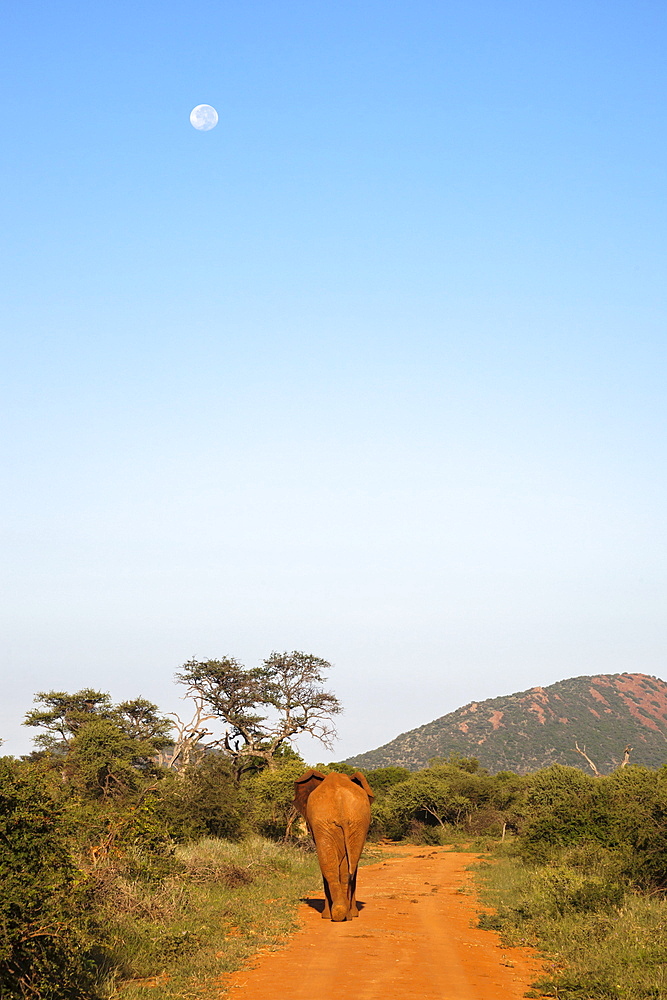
(560, 889)
(203, 801)
(445, 795)
(634, 800)
(605, 942)
(562, 806)
(44, 951)
(625, 811)
(384, 778)
(269, 795)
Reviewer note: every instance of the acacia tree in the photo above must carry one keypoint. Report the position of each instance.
(101, 748)
(264, 708)
(64, 715)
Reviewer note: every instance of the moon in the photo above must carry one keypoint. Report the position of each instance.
(203, 117)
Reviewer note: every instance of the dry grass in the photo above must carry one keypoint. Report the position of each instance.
(178, 937)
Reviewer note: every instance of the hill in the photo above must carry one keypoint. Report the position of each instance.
(532, 729)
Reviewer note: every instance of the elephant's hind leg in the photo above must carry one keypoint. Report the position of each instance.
(341, 908)
(339, 912)
(326, 912)
(354, 909)
(330, 850)
(346, 885)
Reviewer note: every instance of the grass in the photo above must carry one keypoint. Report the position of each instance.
(177, 933)
(178, 936)
(600, 940)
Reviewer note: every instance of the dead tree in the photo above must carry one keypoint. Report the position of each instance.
(577, 749)
(189, 735)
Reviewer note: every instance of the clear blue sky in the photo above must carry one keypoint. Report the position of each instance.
(375, 369)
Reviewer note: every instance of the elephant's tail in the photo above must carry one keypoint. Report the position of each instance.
(351, 866)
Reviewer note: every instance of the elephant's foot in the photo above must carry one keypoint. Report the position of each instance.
(354, 911)
(339, 911)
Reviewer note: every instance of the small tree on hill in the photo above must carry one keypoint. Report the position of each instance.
(264, 708)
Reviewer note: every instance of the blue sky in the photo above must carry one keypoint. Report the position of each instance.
(374, 369)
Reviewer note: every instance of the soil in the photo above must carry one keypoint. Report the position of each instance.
(415, 939)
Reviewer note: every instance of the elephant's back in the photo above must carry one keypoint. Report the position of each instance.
(338, 799)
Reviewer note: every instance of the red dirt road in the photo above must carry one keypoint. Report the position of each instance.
(415, 939)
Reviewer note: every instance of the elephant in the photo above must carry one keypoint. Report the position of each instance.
(337, 809)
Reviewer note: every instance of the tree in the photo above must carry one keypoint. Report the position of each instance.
(591, 764)
(264, 708)
(270, 794)
(64, 715)
(561, 808)
(203, 799)
(103, 750)
(384, 778)
(443, 793)
(104, 762)
(187, 747)
(428, 795)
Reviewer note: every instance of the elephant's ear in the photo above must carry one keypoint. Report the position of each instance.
(359, 779)
(303, 786)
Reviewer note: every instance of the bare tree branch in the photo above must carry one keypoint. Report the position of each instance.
(189, 736)
(577, 749)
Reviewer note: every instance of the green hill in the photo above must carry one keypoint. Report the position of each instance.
(533, 729)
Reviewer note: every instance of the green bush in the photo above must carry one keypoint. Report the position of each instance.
(104, 762)
(202, 801)
(423, 834)
(44, 949)
(560, 889)
(624, 812)
(269, 797)
(634, 800)
(445, 795)
(562, 806)
(587, 880)
(605, 941)
(383, 778)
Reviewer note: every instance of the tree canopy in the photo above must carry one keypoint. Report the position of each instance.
(102, 748)
(266, 707)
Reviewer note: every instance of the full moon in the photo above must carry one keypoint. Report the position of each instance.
(203, 117)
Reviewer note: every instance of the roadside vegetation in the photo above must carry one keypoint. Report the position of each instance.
(182, 933)
(600, 938)
(146, 857)
(577, 864)
(584, 881)
(142, 855)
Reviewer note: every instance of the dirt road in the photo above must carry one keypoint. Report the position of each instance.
(415, 939)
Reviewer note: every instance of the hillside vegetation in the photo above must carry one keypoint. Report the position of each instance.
(542, 726)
